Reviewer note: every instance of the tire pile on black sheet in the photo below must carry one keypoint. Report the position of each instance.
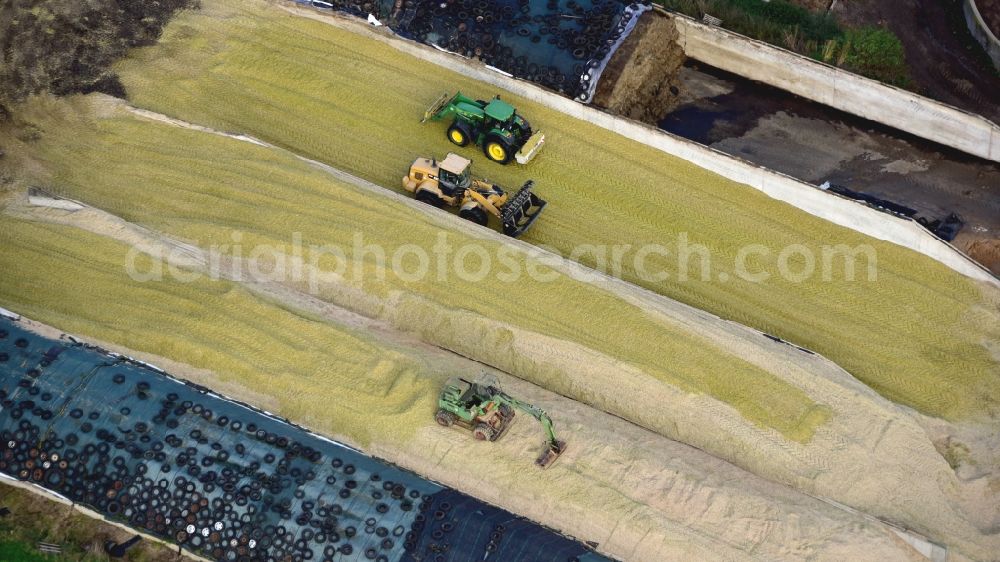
(223, 480)
(555, 43)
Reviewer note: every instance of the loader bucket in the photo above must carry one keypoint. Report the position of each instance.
(521, 211)
(436, 107)
(530, 148)
(550, 454)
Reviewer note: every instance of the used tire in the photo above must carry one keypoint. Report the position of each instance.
(482, 432)
(429, 197)
(460, 133)
(445, 419)
(497, 149)
(475, 214)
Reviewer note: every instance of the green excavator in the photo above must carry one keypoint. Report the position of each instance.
(488, 412)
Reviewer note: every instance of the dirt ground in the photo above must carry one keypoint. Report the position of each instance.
(641, 81)
(775, 129)
(945, 61)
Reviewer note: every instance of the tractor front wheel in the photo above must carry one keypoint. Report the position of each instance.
(475, 214)
(459, 133)
(482, 432)
(444, 418)
(498, 149)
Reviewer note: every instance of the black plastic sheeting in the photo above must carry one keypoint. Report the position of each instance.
(559, 44)
(946, 228)
(224, 480)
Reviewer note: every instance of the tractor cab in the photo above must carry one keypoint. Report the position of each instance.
(454, 174)
(499, 110)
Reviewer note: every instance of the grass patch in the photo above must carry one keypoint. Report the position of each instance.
(874, 52)
(14, 551)
(870, 51)
(33, 519)
(915, 330)
(207, 187)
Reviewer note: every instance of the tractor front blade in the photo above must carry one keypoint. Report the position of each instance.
(530, 148)
(436, 107)
(521, 211)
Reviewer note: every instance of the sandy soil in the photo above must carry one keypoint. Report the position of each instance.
(640, 81)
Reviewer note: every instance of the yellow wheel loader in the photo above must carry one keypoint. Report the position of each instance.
(450, 183)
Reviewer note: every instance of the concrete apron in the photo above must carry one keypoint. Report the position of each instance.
(809, 198)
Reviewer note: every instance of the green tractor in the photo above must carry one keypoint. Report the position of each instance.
(495, 126)
(488, 412)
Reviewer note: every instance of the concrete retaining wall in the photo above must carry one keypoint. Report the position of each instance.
(840, 89)
(809, 198)
(977, 25)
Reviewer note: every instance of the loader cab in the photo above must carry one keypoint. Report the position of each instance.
(460, 398)
(454, 174)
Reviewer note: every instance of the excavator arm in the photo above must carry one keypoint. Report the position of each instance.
(554, 446)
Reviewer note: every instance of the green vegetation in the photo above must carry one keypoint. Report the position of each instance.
(12, 551)
(240, 69)
(772, 21)
(64, 46)
(33, 519)
(869, 51)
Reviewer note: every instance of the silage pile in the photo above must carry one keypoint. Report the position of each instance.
(761, 404)
(238, 66)
(640, 496)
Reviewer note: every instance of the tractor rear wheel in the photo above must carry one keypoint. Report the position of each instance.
(429, 197)
(482, 432)
(444, 418)
(475, 214)
(498, 149)
(460, 133)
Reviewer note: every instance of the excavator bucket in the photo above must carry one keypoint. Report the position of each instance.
(530, 148)
(551, 453)
(521, 211)
(436, 107)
